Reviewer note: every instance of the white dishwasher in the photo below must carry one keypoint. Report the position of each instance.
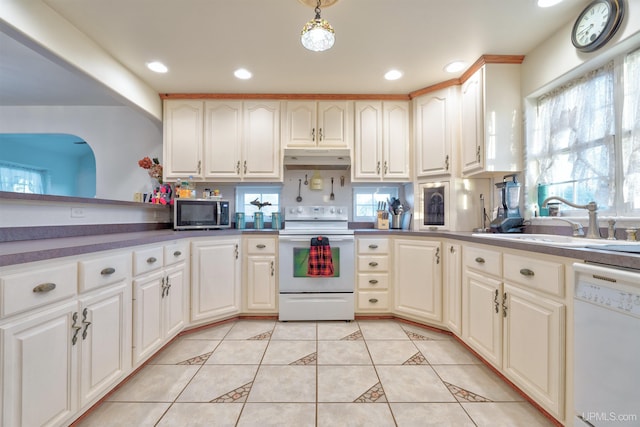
(607, 346)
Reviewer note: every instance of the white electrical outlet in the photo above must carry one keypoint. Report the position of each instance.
(77, 212)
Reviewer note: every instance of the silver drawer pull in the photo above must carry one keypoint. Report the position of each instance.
(373, 246)
(480, 260)
(261, 246)
(373, 300)
(527, 272)
(373, 264)
(151, 260)
(177, 253)
(107, 271)
(373, 281)
(44, 287)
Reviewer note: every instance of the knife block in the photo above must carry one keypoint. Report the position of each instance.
(382, 220)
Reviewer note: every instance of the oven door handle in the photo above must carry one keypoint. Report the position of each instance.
(331, 239)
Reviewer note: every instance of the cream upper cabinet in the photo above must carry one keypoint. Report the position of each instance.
(261, 159)
(182, 131)
(417, 275)
(382, 141)
(222, 140)
(317, 124)
(436, 132)
(491, 120)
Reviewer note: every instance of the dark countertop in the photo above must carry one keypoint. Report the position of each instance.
(20, 252)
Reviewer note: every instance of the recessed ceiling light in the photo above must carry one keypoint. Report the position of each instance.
(242, 73)
(157, 67)
(393, 75)
(548, 3)
(455, 66)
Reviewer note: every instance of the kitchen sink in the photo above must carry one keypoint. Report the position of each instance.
(553, 240)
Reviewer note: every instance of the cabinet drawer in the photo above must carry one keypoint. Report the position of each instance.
(373, 246)
(261, 245)
(175, 252)
(373, 281)
(371, 300)
(533, 273)
(145, 260)
(484, 260)
(373, 263)
(102, 271)
(34, 288)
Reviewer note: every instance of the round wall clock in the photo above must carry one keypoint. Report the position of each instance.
(597, 23)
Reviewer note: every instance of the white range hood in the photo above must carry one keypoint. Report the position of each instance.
(317, 158)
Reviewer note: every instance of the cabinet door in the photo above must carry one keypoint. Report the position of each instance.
(418, 278)
(148, 333)
(453, 290)
(39, 367)
(215, 274)
(183, 138)
(472, 127)
(332, 129)
(261, 141)
(368, 141)
(222, 139)
(482, 316)
(175, 300)
(300, 128)
(434, 134)
(395, 139)
(534, 346)
(105, 350)
(261, 283)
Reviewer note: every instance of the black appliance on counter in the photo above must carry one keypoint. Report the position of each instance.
(508, 219)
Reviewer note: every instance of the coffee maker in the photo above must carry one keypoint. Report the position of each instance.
(508, 219)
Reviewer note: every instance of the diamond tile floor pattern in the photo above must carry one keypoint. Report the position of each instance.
(360, 373)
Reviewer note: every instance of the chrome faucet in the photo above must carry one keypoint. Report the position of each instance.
(591, 207)
(578, 231)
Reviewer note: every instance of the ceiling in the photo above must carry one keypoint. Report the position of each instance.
(204, 41)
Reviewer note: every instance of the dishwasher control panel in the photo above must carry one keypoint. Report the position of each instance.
(613, 299)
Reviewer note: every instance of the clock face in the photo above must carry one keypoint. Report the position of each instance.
(592, 23)
(597, 23)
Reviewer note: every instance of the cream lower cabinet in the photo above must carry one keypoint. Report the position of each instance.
(215, 279)
(417, 272)
(514, 317)
(372, 274)
(452, 283)
(260, 279)
(62, 357)
(159, 298)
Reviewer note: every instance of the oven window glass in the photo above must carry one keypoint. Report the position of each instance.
(301, 262)
(434, 203)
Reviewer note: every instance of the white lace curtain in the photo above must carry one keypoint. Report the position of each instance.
(572, 148)
(631, 132)
(20, 179)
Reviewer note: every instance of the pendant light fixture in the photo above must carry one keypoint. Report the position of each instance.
(317, 35)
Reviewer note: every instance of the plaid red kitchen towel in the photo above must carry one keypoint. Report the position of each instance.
(320, 259)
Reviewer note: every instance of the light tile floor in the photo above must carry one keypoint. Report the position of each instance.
(360, 373)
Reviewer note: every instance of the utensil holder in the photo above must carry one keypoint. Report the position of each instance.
(396, 221)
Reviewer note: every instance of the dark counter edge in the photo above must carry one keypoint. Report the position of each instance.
(5, 195)
(582, 254)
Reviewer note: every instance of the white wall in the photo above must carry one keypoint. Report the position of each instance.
(557, 60)
(119, 137)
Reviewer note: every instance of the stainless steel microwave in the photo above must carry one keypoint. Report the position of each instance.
(194, 214)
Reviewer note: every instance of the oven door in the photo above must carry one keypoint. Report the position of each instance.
(293, 262)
